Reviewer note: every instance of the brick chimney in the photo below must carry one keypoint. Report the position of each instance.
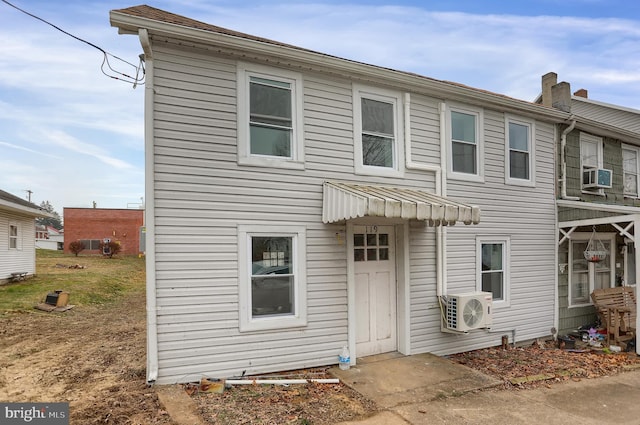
(561, 96)
(549, 80)
(581, 93)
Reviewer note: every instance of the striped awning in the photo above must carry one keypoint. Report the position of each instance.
(345, 201)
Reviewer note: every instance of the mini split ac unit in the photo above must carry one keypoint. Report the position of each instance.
(596, 178)
(465, 312)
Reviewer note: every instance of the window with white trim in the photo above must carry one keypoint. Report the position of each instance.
(591, 156)
(631, 170)
(272, 275)
(270, 117)
(378, 132)
(519, 151)
(466, 150)
(14, 235)
(585, 276)
(493, 255)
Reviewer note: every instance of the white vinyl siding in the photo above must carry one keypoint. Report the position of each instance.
(378, 120)
(465, 155)
(631, 170)
(270, 117)
(519, 151)
(22, 258)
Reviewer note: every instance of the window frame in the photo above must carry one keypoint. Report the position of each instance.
(505, 241)
(479, 129)
(636, 150)
(531, 132)
(247, 322)
(16, 238)
(244, 73)
(385, 96)
(584, 237)
(599, 141)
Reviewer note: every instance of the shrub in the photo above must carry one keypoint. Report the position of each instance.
(76, 247)
(110, 248)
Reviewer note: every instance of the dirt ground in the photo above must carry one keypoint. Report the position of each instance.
(94, 358)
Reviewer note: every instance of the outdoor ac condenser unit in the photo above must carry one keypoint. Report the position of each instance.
(465, 312)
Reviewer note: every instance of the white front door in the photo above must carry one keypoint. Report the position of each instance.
(375, 289)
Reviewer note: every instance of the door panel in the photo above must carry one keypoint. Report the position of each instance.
(375, 291)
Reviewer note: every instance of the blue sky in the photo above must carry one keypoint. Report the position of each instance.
(72, 135)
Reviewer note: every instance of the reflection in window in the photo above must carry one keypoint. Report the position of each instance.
(272, 279)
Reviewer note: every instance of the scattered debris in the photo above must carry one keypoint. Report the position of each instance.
(55, 301)
(73, 266)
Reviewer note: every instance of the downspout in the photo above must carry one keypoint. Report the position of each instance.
(150, 256)
(439, 183)
(563, 161)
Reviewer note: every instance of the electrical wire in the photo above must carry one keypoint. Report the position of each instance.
(136, 80)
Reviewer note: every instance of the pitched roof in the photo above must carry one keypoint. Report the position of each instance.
(14, 203)
(149, 13)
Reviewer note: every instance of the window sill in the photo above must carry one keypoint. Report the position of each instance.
(272, 323)
(465, 177)
(522, 183)
(580, 305)
(271, 162)
(599, 193)
(365, 170)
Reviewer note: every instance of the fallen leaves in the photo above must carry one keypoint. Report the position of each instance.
(543, 363)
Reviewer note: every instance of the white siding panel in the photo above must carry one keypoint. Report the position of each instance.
(24, 258)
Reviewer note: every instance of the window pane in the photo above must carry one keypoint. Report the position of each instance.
(269, 102)
(383, 253)
(271, 295)
(580, 288)
(270, 141)
(383, 238)
(358, 254)
(463, 127)
(631, 184)
(372, 239)
(518, 137)
(13, 230)
(629, 161)
(377, 117)
(589, 153)
(358, 239)
(579, 262)
(377, 151)
(491, 256)
(372, 254)
(519, 165)
(464, 157)
(271, 255)
(492, 282)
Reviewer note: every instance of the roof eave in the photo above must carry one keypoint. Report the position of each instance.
(22, 210)
(129, 24)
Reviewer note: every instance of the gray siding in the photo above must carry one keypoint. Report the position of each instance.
(624, 118)
(202, 194)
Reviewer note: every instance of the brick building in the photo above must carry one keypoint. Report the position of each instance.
(92, 225)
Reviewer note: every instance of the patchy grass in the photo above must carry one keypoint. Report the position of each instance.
(102, 280)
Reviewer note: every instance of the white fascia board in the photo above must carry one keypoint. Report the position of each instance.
(24, 210)
(348, 68)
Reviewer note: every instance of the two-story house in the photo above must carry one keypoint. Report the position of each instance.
(598, 169)
(299, 202)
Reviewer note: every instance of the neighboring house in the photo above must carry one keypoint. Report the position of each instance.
(17, 235)
(598, 166)
(92, 226)
(48, 237)
(298, 202)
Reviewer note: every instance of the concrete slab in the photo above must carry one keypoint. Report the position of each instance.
(396, 380)
(382, 418)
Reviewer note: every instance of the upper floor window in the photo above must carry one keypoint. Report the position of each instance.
(378, 135)
(590, 158)
(13, 236)
(269, 117)
(465, 146)
(519, 151)
(493, 269)
(631, 169)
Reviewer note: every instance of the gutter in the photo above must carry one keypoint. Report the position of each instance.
(563, 161)
(150, 254)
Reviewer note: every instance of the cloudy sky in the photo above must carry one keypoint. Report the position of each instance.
(73, 135)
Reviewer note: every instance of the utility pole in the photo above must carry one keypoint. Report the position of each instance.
(29, 192)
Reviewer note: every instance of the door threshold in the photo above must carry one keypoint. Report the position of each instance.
(379, 357)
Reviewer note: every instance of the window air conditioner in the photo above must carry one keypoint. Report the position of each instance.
(465, 312)
(596, 178)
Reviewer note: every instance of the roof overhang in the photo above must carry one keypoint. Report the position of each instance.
(24, 210)
(347, 201)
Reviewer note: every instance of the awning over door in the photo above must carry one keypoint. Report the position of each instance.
(344, 201)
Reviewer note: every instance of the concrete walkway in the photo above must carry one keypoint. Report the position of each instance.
(430, 389)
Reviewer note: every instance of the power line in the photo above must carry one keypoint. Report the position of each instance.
(105, 61)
